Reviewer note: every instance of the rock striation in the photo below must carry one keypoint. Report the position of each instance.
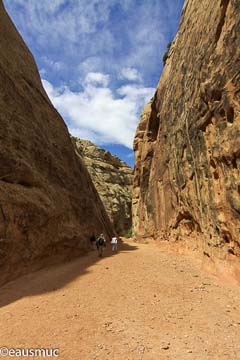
(187, 144)
(48, 204)
(113, 180)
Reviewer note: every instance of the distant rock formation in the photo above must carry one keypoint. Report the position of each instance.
(113, 180)
(48, 204)
(187, 145)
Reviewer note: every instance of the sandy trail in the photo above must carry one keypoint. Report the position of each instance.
(141, 303)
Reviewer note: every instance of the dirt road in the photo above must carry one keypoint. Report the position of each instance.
(141, 303)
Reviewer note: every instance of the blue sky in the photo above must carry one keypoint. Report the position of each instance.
(99, 60)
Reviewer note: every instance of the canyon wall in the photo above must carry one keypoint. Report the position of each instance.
(48, 204)
(187, 144)
(113, 180)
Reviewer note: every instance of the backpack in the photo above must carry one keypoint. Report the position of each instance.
(100, 241)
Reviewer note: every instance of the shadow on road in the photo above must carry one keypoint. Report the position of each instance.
(54, 277)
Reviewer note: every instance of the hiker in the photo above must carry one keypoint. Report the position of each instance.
(92, 240)
(100, 243)
(114, 242)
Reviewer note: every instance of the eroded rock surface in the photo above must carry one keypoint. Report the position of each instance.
(187, 144)
(113, 180)
(48, 204)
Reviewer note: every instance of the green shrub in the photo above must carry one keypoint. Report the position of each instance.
(165, 56)
(129, 233)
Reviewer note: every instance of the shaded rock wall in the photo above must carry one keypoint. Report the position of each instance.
(187, 145)
(113, 180)
(48, 204)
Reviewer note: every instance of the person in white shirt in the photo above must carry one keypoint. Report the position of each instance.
(114, 244)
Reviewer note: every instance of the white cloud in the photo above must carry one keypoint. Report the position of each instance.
(97, 78)
(97, 113)
(134, 92)
(118, 37)
(43, 72)
(54, 65)
(131, 74)
(57, 20)
(90, 64)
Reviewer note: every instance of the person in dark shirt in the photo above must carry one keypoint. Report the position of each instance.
(100, 243)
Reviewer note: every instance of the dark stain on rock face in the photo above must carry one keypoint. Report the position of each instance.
(224, 5)
(3, 225)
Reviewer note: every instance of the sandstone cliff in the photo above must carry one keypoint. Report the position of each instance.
(187, 145)
(48, 204)
(113, 180)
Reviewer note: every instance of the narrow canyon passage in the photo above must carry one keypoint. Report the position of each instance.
(141, 303)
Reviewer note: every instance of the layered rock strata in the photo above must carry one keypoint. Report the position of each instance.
(113, 180)
(48, 204)
(187, 145)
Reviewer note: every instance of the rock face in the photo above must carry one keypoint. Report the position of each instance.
(48, 204)
(187, 145)
(113, 180)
